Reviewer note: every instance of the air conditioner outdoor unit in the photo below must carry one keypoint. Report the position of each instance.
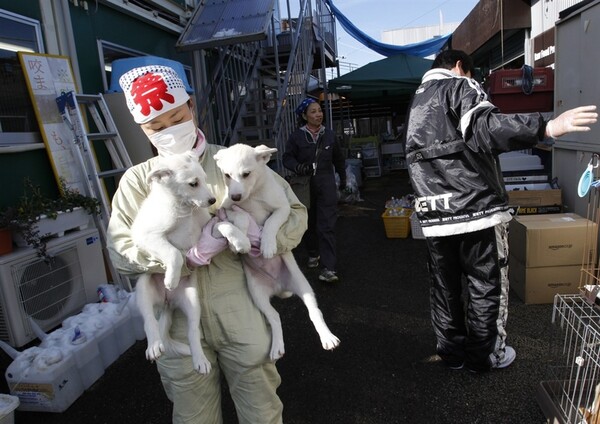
(48, 292)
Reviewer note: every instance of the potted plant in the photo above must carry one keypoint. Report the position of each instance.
(36, 217)
(6, 242)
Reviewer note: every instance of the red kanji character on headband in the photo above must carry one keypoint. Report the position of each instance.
(148, 91)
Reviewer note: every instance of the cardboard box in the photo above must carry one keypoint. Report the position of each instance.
(536, 198)
(539, 210)
(552, 240)
(540, 284)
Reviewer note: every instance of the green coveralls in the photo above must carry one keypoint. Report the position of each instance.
(237, 338)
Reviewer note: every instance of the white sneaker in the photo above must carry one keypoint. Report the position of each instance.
(313, 261)
(328, 276)
(509, 357)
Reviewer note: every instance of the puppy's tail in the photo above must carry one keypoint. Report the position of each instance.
(172, 347)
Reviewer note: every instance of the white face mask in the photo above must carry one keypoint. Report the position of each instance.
(176, 139)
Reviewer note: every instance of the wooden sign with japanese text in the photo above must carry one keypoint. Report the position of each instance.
(47, 77)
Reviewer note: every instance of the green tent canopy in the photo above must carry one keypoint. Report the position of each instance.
(391, 77)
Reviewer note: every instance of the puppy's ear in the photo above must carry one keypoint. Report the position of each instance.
(219, 155)
(265, 149)
(264, 153)
(194, 155)
(158, 174)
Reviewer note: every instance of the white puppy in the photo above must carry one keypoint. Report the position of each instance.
(251, 185)
(170, 220)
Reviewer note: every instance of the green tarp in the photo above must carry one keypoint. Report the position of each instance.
(391, 77)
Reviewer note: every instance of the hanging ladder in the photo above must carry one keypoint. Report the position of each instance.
(69, 107)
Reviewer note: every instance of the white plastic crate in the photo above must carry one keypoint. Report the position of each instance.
(415, 227)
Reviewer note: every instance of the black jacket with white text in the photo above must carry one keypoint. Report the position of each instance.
(453, 138)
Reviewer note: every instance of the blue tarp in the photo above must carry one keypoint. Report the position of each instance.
(422, 49)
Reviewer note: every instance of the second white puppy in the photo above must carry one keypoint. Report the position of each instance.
(252, 186)
(170, 220)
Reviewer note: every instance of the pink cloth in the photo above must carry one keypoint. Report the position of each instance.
(209, 246)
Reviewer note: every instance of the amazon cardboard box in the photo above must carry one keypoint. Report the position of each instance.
(547, 253)
(552, 240)
(540, 284)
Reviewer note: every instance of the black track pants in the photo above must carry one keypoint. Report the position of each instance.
(469, 322)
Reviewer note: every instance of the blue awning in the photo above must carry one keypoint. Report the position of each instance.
(422, 49)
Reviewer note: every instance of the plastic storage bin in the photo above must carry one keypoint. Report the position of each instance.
(415, 227)
(8, 404)
(506, 91)
(45, 380)
(397, 222)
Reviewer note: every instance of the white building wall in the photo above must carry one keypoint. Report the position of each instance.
(544, 14)
(405, 36)
(401, 37)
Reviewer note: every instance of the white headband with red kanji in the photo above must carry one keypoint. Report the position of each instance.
(151, 91)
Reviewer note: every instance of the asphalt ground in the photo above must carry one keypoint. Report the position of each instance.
(384, 371)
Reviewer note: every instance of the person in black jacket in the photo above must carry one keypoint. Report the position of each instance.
(313, 150)
(453, 139)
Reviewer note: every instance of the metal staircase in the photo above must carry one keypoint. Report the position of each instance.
(252, 89)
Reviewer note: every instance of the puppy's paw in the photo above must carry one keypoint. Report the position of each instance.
(268, 250)
(330, 341)
(202, 365)
(277, 350)
(155, 350)
(171, 284)
(241, 245)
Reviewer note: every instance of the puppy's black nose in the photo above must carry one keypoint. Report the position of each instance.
(212, 201)
(236, 197)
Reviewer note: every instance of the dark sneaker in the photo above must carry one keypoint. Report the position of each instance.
(455, 365)
(328, 276)
(313, 262)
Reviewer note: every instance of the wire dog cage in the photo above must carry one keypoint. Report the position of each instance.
(571, 395)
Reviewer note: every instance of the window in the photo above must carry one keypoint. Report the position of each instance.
(17, 117)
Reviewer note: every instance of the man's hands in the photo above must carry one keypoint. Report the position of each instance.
(573, 120)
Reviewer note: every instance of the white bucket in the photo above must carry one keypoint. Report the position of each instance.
(101, 330)
(44, 380)
(8, 404)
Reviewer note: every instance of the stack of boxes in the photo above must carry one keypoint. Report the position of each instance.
(547, 253)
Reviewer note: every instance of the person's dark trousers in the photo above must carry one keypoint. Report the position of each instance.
(480, 259)
(322, 217)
